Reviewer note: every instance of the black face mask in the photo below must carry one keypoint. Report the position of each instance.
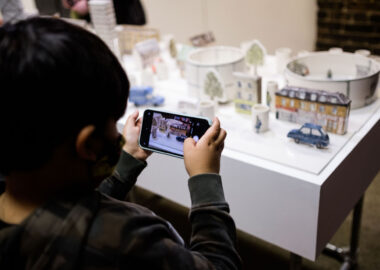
(106, 164)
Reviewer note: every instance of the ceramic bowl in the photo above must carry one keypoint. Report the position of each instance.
(221, 60)
(354, 75)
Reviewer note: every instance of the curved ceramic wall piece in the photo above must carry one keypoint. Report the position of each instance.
(354, 75)
(223, 60)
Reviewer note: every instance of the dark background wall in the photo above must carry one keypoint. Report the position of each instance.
(349, 24)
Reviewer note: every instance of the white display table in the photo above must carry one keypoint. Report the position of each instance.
(292, 195)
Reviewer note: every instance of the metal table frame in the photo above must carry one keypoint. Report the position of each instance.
(348, 256)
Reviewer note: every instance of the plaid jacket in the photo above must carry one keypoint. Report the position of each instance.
(98, 231)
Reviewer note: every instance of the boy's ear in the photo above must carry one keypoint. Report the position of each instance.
(85, 143)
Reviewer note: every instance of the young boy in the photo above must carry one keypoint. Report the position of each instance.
(62, 92)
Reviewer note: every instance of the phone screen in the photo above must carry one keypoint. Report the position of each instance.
(166, 132)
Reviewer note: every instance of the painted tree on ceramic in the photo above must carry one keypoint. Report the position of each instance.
(255, 55)
(173, 48)
(212, 86)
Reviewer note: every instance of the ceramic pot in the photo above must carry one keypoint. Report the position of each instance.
(352, 74)
(220, 59)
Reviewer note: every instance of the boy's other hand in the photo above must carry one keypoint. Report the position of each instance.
(131, 132)
(204, 156)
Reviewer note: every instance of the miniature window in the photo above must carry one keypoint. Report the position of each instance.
(238, 95)
(239, 84)
(322, 98)
(313, 97)
(313, 107)
(249, 85)
(334, 100)
(302, 95)
(303, 105)
(334, 110)
(250, 97)
(292, 94)
(321, 109)
(305, 130)
(292, 103)
(316, 132)
(283, 102)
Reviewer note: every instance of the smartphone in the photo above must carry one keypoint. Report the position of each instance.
(165, 132)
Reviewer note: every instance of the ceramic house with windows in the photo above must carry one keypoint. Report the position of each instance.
(302, 105)
(247, 92)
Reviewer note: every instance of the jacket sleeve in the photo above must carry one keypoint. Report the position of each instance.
(213, 238)
(212, 243)
(129, 236)
(124, 177)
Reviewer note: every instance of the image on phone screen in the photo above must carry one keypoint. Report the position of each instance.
(166, 132)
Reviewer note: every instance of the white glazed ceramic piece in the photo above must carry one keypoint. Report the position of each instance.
(335, 50)
(272, 88)
(352, 74)
(147, 77)
(213, 86)
(148, 51)
(260, 118)
(162, 70)
(104, 21)
(247, 92)
(255, 53)
(206, 108)
(363, 52)
(224, 60)
(283, 56)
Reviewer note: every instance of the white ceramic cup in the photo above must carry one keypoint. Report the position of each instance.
(363, 52)
(282, 58)
(162, 71)
(206, 108)
(272, 88)
(336, 50)
(260, 118)
(147, 77)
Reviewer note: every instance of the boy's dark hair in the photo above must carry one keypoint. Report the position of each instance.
(55, 78)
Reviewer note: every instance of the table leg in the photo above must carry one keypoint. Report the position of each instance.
(348, 256)
(295, 262)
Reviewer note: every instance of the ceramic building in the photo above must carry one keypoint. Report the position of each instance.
(247, 92)
(301, 105)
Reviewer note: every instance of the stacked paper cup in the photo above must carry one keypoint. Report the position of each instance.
(104, 21)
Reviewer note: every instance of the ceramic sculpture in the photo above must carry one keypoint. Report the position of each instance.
(248, 92)
(351, 74)
(223, 61)
(254, 56)
(104, 21)
(212, 86)
(146, 53)
(203, 39)
(310, 134)
(301, 105)
(129, 36)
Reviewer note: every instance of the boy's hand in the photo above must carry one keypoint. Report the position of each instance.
(204, 156)
(131, 132)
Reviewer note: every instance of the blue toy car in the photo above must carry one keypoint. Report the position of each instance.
(181, 138)
(310, 134)
(143, 95)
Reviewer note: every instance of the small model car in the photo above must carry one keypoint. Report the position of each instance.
(181, 138)
(310, 134)
(143, 95)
